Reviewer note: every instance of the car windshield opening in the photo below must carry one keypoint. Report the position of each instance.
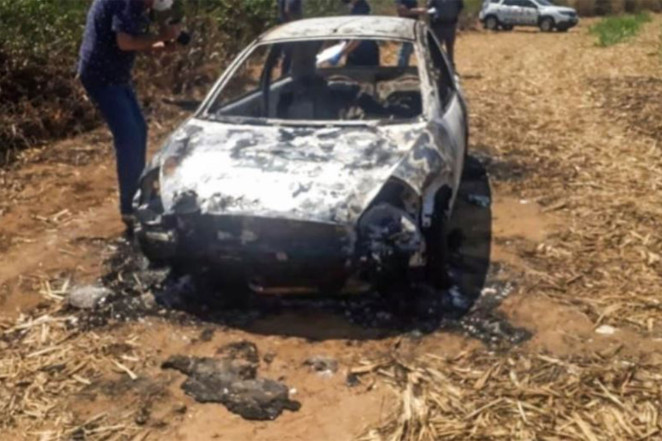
(545, 3)
(323, 80)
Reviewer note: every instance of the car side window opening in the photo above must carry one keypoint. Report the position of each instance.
(441, 72)
(527, 4)
(510, 3)
(321, 80)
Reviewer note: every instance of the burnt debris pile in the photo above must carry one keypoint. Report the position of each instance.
(230, 378)
(134, 291)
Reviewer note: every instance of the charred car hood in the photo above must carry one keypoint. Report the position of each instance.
(324, 174)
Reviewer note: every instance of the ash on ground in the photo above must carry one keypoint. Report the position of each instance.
(230, 378)
(139, 291)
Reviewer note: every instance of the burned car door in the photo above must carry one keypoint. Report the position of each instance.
(450, 116)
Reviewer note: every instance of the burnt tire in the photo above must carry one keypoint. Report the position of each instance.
(436, 241)
(491, 23)
(396, 289)
(438, 252)
(151, 252)
(546, 24)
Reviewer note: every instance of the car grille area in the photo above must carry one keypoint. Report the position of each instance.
(267, 251)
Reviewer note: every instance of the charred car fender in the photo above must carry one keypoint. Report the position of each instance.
(428, 168)
(389, 229)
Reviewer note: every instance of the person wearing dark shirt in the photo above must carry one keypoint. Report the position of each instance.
(407, 9)
(444, 22)
(289, 10)
(361, 53)
(114, 31)
(358, 7)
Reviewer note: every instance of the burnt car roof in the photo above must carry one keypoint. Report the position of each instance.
(341, 27)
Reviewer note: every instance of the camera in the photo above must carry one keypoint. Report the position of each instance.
(184, 37)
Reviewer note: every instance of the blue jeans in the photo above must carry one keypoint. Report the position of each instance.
(405, 54)
(120, 109)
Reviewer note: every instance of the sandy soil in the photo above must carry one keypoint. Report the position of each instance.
(528, 92)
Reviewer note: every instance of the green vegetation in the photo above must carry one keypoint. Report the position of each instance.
(39, 41)
(612, 30)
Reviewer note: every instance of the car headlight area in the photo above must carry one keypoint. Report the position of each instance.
(389, 232)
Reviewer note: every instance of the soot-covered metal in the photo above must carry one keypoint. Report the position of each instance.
(303, 204)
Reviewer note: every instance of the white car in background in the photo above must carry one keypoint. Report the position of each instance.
(506, 14)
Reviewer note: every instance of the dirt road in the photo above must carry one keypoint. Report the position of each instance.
(567, 258)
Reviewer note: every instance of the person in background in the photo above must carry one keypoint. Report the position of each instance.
(407, 9)
(360, 53)
(288, 10)
(358, 7)
(443, 21)
(115, 31)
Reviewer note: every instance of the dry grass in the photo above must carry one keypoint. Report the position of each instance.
(45, 362)
(635, 100)
(593, 157)
(521, 397)
(588, 139)
(590, 146)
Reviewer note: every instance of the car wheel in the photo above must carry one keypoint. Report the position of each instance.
(547, 24)
(436, 273)
(491, 23)
(507, 27)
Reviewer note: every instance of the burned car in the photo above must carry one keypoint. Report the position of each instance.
(311, 166)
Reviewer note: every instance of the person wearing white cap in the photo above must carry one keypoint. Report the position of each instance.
(114, 31)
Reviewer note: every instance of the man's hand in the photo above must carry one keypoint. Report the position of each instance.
(128, 42)
(164, 47)
(403, 11)
(170, 32)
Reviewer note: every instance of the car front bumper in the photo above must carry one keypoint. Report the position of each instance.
(567, 23)
(270, 253)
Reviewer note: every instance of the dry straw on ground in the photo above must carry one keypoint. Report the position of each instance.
(522, 397)
(586, 158)
(590, 154)
(587, 149)
(46, 361)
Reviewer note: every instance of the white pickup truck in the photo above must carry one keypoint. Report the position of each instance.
(506, 14)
